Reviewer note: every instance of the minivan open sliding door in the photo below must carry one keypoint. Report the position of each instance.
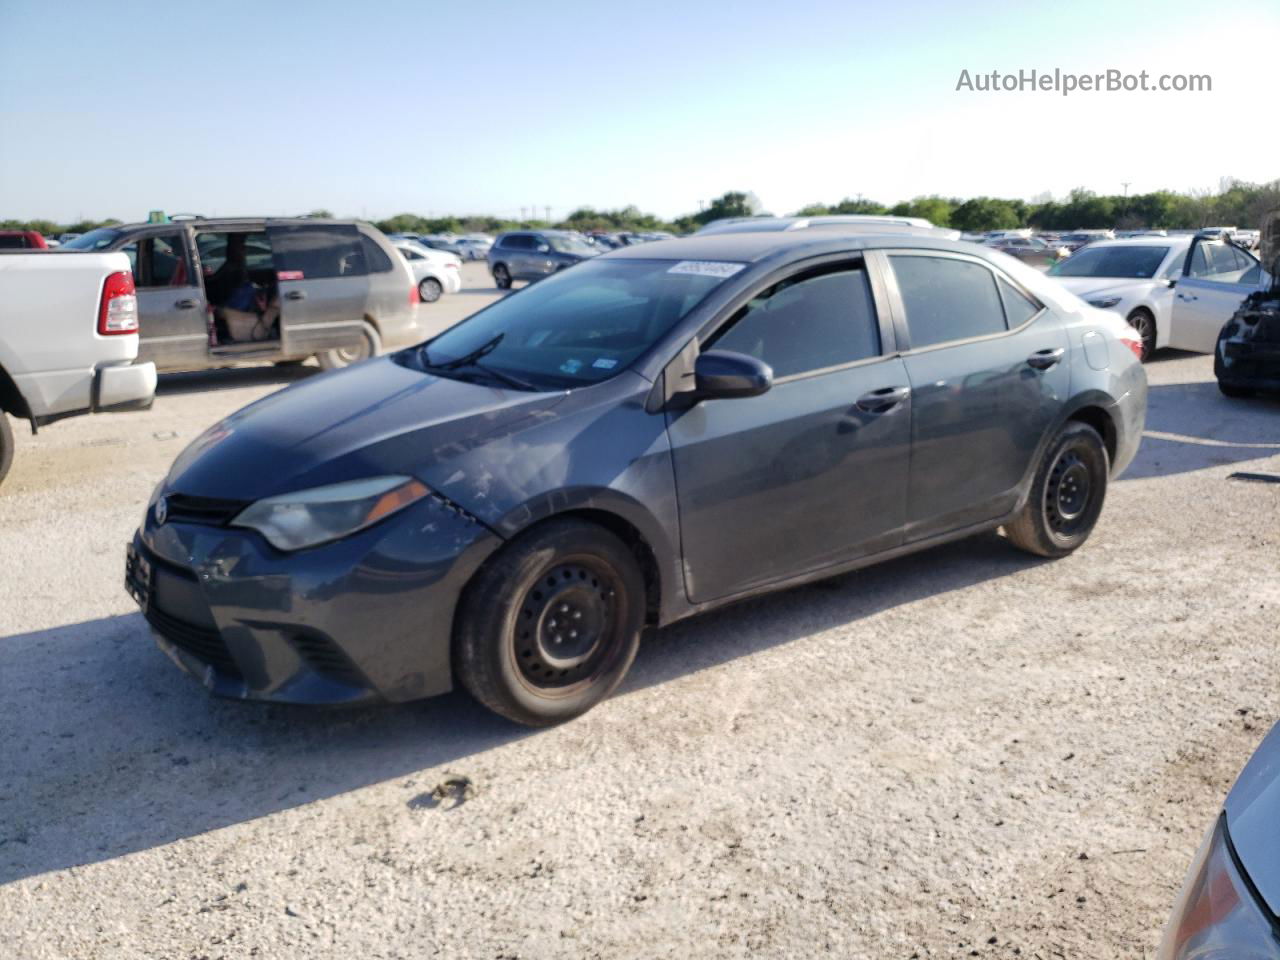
(324, 284)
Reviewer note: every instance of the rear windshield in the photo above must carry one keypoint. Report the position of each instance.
(1137, 262)
(579, 326)
(94, 239)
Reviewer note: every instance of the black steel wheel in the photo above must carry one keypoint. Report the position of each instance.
(549, 626)
(1066, 494)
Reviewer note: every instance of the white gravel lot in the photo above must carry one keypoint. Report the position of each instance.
(968, 752)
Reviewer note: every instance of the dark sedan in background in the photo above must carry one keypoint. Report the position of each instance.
(658, 431)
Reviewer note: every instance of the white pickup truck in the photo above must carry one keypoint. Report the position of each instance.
(68, 340)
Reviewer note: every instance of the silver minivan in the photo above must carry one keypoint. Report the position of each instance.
(212, 292)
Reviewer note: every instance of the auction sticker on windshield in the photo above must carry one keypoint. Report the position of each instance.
(707, 268)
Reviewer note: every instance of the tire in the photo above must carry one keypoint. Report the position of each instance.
(296, 362)
(1143, 321)
(1066, 496)
(1227, 389)
(6, 445)
(502, 276)
(512, 654)
(429, 290)
(370, 345)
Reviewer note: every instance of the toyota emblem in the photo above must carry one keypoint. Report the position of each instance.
(162, 510)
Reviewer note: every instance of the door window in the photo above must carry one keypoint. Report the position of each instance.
(316, 252)
(162, 262)
(809, 322)
(518, 242)
(1221, 263)
(947, 299)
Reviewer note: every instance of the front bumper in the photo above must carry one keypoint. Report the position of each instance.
(368, 617)
(1250, 364)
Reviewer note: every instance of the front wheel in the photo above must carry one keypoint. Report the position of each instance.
(369, 345)
(502, 276)
(6, 445)
(1142, 321)
(549, 626)
(1066, 495)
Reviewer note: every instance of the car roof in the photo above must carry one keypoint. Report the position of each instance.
(755, 247)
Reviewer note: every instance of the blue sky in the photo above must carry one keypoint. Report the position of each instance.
(373, 108)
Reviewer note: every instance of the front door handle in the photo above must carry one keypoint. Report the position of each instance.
(295, 295)
(1044, 359)
(1183, 296)
(883, 400)
(186, 304)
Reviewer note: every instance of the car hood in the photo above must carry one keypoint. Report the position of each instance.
(1091, 286)
(378, 417)
(1253, 810)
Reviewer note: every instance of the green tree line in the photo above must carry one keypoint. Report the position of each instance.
(1238, 204)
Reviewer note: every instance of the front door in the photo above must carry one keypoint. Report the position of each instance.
(814, 471)
(172, 328)
(1217, 278)
(323, 285)
(988, 374)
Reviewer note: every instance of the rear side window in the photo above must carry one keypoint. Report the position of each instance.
(518, 241)
(808, 323)
(375, 259)
(947, 299)
(1018, 307)
(317, 252)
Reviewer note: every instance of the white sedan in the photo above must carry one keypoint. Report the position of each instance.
(435, 271)
(1176, 291)
(1134, 278)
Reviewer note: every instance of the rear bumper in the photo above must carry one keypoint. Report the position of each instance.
(130, 386)
(1129, 414)
(369, 617)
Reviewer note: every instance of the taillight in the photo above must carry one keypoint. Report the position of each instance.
(1133, 340)
(118, 312)
(414, 299)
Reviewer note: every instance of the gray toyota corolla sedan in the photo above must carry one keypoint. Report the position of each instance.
(1229, 907)
(650, 434)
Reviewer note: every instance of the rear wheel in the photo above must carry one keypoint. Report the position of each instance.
(549, 627)
(1143, 321)
(1066, 495)
(369, 345)
(6, 445)
(429, 290)
(502, 276)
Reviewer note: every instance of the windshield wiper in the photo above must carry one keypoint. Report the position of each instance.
(472, 359)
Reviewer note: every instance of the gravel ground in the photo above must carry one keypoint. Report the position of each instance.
(969, 752)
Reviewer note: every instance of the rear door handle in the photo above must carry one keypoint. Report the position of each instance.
(295, 295)
(1044, 359)
(186, 304)
(883, 400)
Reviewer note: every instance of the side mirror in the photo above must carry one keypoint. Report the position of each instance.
(722, 374)
(1172, 283)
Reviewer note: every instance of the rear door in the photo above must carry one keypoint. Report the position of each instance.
(986, 366)
(323, 284)
(1216, 279)
(814, 471)
(172, 326)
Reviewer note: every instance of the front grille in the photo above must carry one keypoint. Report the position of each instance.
(205, 645)
(325, 657)
(210, 511)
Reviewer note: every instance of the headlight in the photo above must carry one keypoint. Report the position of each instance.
(1217, 917)
(293, 521)
(1104, 302)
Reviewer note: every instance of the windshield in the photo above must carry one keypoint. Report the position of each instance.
(579, 326)
(93, 240)
(562, 244)
(1137, 262)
